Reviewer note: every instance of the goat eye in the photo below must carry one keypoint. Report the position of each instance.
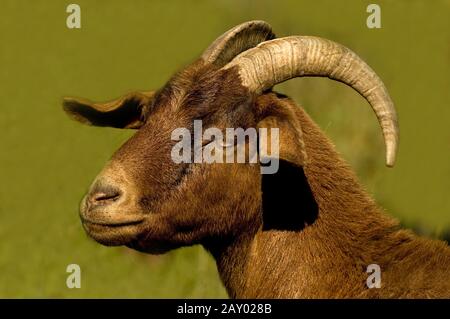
(224, 143)
(208, 141)
(219, 142)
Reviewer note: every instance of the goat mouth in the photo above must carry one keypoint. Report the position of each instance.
(113, 222)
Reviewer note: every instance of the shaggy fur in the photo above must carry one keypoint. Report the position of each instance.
(339, 234)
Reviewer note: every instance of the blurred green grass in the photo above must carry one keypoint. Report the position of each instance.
(47, 161)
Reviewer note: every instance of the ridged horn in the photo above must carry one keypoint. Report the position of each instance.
(236, 40)
(278, 60)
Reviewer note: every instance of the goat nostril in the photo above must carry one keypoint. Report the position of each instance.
(103, 195)
(99, 197)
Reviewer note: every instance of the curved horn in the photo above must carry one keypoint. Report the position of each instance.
(236, 40)
(278, 60)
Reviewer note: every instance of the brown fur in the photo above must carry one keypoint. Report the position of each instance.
(328, 259)
(309, 231)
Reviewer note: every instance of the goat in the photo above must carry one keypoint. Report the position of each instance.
(308, 231)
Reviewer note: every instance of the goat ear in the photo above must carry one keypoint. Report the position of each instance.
(280, 113)
(124, 112)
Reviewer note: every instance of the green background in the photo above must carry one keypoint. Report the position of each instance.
(48, 161)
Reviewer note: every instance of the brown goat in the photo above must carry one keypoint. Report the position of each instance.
(308, 231)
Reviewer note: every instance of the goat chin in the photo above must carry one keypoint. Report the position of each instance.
(154, 248)
(111, 235)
